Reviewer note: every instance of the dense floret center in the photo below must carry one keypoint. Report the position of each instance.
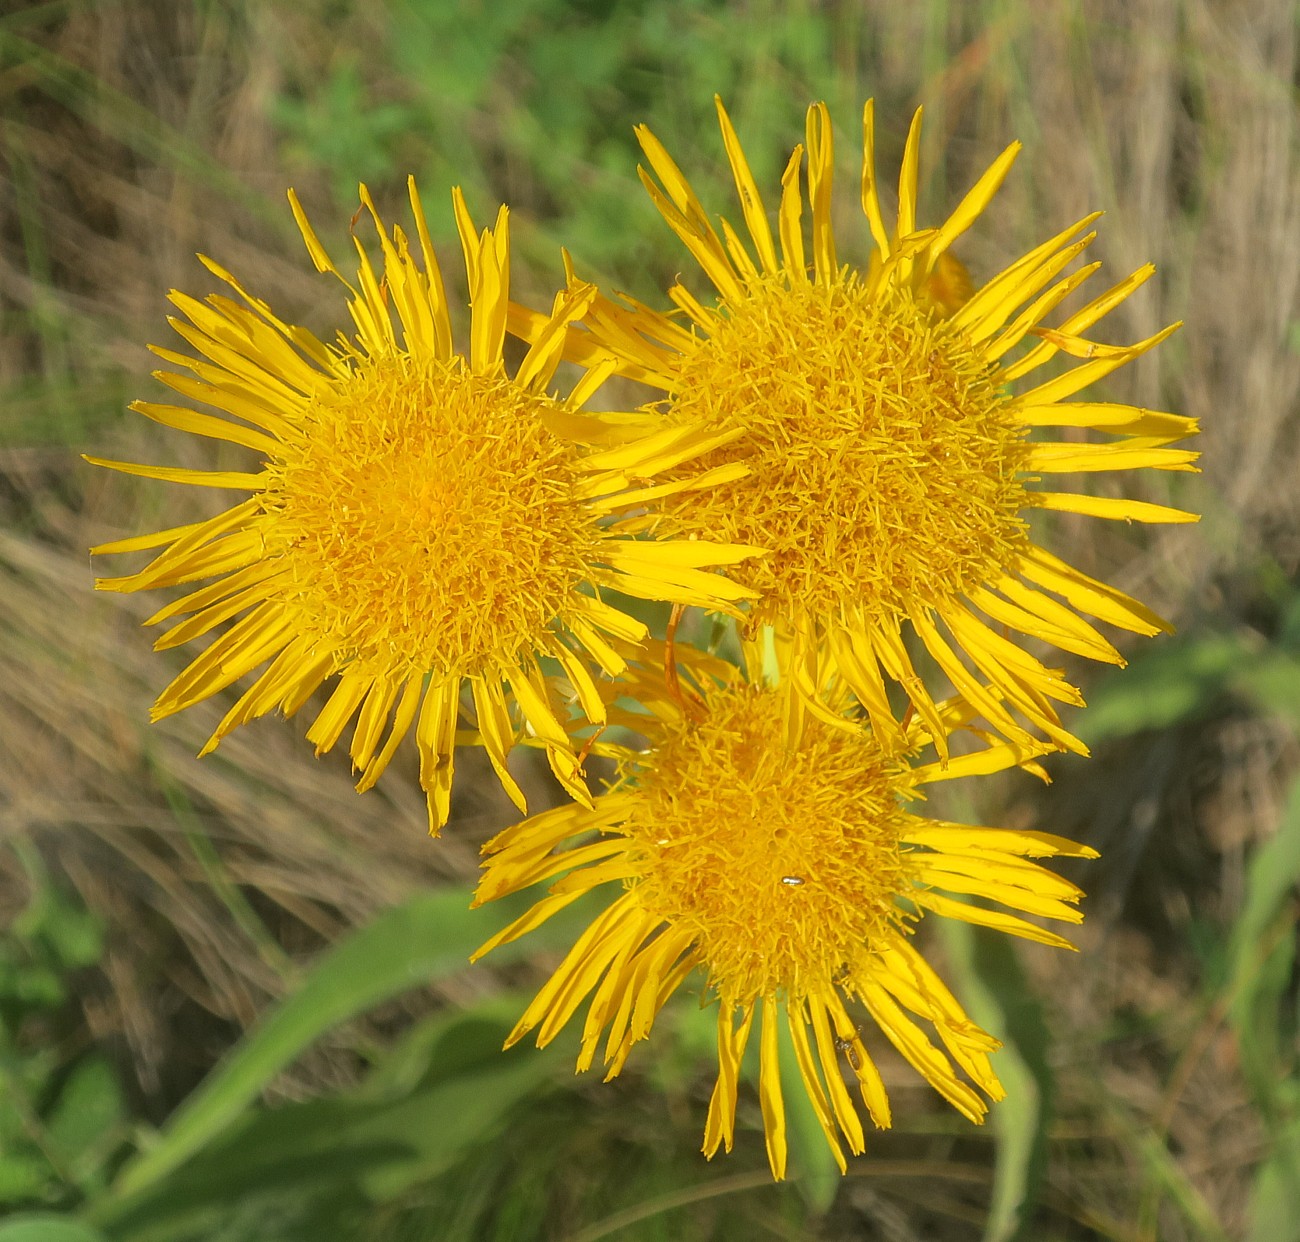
(883, 458)
(784, 860)
(427, 519)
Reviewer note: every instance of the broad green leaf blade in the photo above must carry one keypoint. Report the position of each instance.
(428, 937)
(1168, 684)
(997, 994)
(812, 1163)
(1276, 1191)
(452, 1089)
(1261, 950)
(42, 1227)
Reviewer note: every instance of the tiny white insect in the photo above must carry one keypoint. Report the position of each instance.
(792, 881)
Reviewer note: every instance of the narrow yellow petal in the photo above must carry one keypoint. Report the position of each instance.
(230, 479)
(907, 177)
(1066, 457)
(206, 425)
(951, 908)
(1116, 419)
(403, 718)
(498, 733)
(846, 1115)
(769, 1090)
(1116, 509)
(870, 194)
(319, 256)
(751, 200)
(976, 200)
(812, 1083)
(790, 220)
(1088, 595)
(435, 737)
(821, 166)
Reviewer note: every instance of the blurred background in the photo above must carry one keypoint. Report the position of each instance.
(234, 1003)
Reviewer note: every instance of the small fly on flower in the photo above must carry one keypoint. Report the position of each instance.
(849, 1048)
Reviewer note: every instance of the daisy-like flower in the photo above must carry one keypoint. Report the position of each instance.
(890, 464)
(421, 518)
(773, 849)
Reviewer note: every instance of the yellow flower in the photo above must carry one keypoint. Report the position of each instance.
(421, 519)
(890, 466)
(774, 849)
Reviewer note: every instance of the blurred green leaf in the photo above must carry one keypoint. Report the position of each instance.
(42, 1227)
(24, 1175)
(999, 996)
(1276, 1191)
(1264, 933)
(1262, 953)
(428, 937)
(366, 1147)
(1173, 681)
(812, 1163)
(89, 1107)
(1273, 681)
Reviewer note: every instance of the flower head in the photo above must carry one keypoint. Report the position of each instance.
(890, 466)
(774, 849)
(422, 519)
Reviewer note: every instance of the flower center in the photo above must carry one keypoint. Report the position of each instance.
(427, 516)
(883, 459)
(784, 861)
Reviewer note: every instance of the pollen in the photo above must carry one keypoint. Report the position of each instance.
(780, 861)
(428, 515)
(883, 459)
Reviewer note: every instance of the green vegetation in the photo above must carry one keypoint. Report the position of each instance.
(234, 998)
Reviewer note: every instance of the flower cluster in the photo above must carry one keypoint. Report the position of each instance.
(839, 459)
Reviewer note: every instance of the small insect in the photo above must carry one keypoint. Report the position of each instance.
(850, 1049)
(792, 881)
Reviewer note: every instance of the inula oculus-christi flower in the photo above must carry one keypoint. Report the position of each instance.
(774, 851)
(421, 518)
(890, 465)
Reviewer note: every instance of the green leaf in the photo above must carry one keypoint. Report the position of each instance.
(812, 1163)
(998, 995)
(25, 1176)
(428, 937)
(89, 1107)
(447, 1090)
(1261, 949)
(1172, 682)
(43, 1227)
(1276, 1191)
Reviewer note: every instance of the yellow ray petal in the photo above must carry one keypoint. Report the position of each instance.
(1156, 425)
(1088, 595)
(790, 220)
(976, 200)
(870, 194)
(1117, 509)
(812, 1082)
(1065, 457)
(750, 200)
(769, 1090)
(231, 479)
(821, 166)
(951, 908)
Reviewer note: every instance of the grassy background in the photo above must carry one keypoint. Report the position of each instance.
(232, 996)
